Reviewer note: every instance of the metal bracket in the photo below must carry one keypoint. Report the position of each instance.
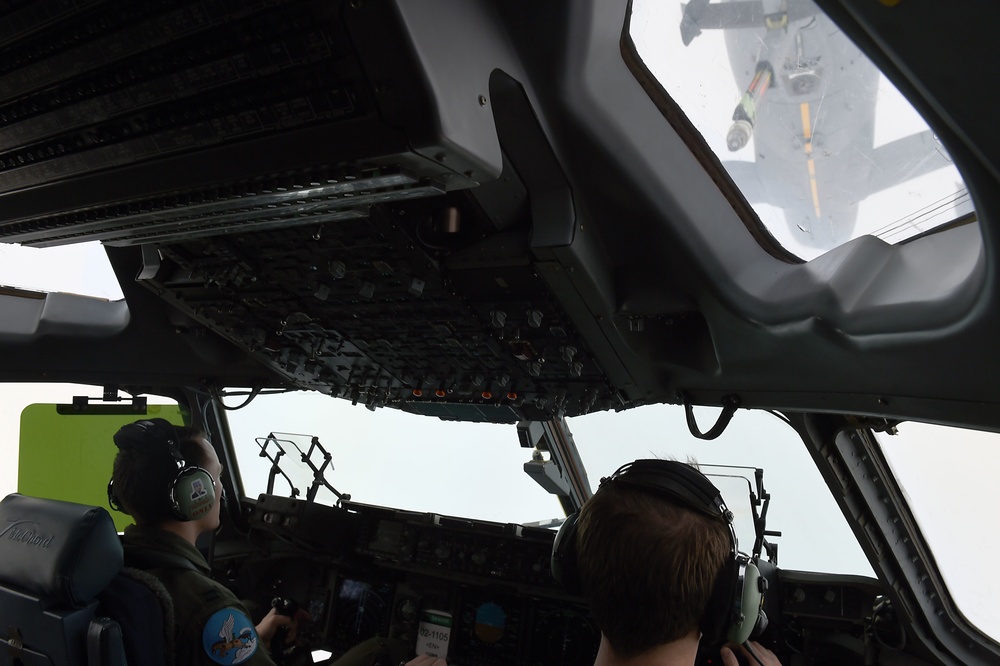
(109, 403)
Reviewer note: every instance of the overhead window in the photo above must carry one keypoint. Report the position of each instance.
(821, 144)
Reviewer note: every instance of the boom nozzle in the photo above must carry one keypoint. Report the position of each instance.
(745, 114)
(739, 135)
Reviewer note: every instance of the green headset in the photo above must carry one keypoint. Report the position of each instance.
(191, 491)
(735, 611)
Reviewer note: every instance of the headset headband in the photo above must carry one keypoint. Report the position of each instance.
(679, 482)
(734, 610)
(136, 437)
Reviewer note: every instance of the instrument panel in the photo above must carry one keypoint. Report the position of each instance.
(482, 591)
(491, 580)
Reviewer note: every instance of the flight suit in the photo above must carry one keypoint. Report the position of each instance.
(212, 626)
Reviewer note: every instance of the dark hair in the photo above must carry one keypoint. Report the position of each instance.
(145, 467)
(647, 566)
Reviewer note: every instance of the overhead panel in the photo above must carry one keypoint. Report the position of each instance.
(136, 122)
(296, 175)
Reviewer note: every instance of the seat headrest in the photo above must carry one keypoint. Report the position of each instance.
(58, 551)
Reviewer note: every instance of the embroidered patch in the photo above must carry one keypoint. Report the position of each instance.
(229, 637)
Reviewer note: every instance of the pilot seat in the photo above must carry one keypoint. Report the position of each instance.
(65, 599)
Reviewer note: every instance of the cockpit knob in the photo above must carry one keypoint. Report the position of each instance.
(407, 611)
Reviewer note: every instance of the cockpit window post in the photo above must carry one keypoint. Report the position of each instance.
(563, 474)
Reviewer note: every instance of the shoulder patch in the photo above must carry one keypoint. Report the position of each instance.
(229, 637)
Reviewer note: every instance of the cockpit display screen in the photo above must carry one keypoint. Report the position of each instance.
(390, 538)
(361, 611)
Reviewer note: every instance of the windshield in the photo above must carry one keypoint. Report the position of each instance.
(821, 144)
(475, 470)
(949, 479)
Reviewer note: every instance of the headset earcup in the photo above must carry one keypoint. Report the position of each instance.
(749, 596)
(113, 498)
(563, 562)
(192, 494)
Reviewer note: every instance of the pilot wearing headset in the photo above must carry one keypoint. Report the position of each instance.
(655, 554)
(167, 478)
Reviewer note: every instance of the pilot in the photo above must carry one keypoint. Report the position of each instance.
(167, 479)
(648, 565)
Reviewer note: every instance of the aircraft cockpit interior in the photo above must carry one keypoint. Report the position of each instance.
(426, 274)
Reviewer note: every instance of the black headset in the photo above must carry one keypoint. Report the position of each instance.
(191, 491)
(735, 610)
